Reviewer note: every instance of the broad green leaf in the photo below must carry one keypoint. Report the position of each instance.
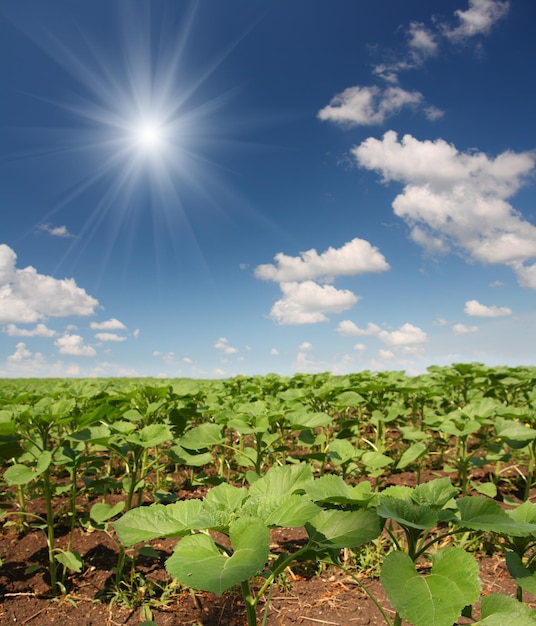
(283, 479)
(343, 529)
(525, 512)
(407, 514)
(485, 489)
(158, 520)
(181, 455)
(341, 451)
(202, 436)
(100, 512)
(289, 510)
(375, 460)
(349, 398)
(300, 420)
(499, 610)
(436, 599)
(197, 562)
(71, 560)
(525, 577)
(332, 488)
(221, 506)
(43, 462)
(414, 452)
(19, 474)
(151, 436)
(435, 493)
(480, 513)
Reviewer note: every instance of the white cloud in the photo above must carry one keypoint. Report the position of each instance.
(306, 346)
(407, 333)
(109, 337)
(167, 357)
(475, 309)
(360, 347)
(223, 345)
(187, 360)
(73, 345)
(440, 321)
(462, 329)
(56, 231)
(40, 330)
(478, 19)
(308, 303)
(27, 297)
(386, 354)
(274, 352)
(457, 201)
(348, 328)
(111, 324)
(365, 106)
(355, 257)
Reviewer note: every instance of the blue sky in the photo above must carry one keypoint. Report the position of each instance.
(208, 189)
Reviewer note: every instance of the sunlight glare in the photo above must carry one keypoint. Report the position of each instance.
(149, 136)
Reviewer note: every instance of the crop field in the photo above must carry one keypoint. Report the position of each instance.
(369, 498)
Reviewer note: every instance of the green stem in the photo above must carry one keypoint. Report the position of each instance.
(530, 472)
(398, 620)
(250, 603)
(47, 491)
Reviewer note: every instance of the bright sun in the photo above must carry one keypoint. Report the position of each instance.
(149, 136)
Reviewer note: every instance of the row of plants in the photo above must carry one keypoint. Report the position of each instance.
(73, 443)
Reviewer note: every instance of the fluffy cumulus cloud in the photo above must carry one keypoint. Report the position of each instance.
(40, 330)
(111, 324)
(27, 297)
(478, 19)
(223, 345)
(304, 300)
(366, 106)
(462, 329)
(406, 334)
(357, 256)
(475, 309)
(347, 328)
(109, 337)
(458, 201)
(309, 302)
(73, 345)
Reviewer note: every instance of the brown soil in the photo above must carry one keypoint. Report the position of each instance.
(303, 597)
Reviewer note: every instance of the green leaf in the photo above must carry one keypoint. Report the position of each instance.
(181, 455)
(202, 436)
(158, 520)
(407, 514)
(343, 529)
(221, 506)
(301, 420)
(197, 562)
(435, 493)
(498, 610)
(524, 577)
(71, 560)
(100, 512)
(414, 452)
(283, 479)
(437, 599)
(18, 474)
(480, 513)
(289, 510)
(332, 488)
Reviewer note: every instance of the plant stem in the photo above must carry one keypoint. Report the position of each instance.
(250, 603)
(47, 490)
